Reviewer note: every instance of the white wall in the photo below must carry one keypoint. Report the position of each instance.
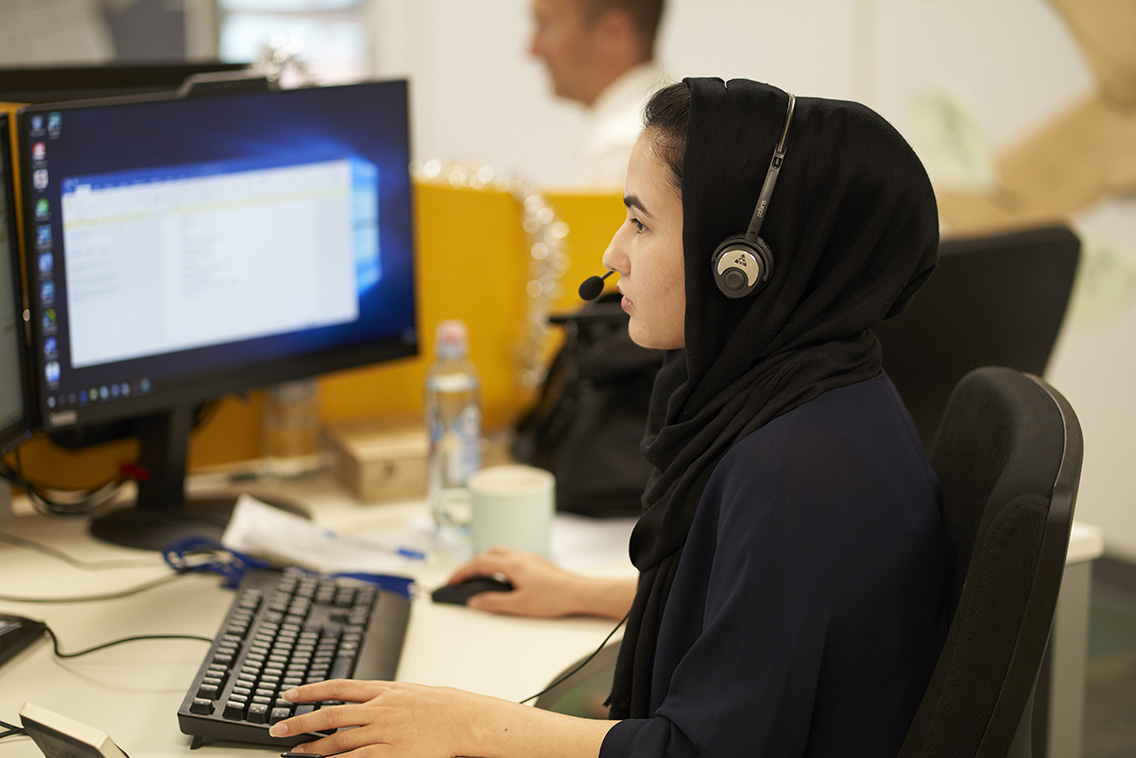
(1011, 64)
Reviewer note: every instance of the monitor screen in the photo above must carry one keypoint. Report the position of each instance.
(180, 249)
(14, 404)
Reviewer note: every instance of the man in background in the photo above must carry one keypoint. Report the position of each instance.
(600, 53)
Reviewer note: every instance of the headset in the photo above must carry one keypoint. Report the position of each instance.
(742, 265)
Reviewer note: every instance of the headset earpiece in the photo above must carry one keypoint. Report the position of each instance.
(741, 267)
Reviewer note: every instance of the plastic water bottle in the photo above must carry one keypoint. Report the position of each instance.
(453, 421)
(291, 429)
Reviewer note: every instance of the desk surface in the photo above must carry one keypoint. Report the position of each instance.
(132, 692)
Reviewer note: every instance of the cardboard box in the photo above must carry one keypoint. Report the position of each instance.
(379, 458)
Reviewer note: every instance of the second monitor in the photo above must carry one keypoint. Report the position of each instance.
(180, 249)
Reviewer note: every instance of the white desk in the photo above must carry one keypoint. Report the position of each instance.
(1060, 705)
(133, 691)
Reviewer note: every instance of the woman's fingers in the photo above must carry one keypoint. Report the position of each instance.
(497, 560)
(347, 690)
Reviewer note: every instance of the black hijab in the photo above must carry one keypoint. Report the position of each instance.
(854, 232)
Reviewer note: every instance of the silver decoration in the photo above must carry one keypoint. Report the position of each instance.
(279, 61)
(548, 260)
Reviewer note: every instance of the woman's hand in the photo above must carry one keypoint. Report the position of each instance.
(542, 589)
(416, 721)
(391, 718)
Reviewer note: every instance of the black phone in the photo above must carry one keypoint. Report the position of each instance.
(16, 633)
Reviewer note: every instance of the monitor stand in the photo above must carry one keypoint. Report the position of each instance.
(163, 514)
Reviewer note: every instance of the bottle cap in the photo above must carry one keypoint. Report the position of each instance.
(452, 339)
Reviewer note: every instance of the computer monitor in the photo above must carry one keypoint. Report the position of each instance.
(15, 407)
(183, 248)
(46, 84)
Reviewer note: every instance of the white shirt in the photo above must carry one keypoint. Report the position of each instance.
(612, 125)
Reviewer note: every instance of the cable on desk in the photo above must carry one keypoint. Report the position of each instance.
(198, 555)
(82, 501)
(568, 674)
(138, 638)
(77, 563)
(78, 502)
(11, 730)
(207, 555)
(96, 598)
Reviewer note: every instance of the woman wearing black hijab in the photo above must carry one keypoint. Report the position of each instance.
(792, 561)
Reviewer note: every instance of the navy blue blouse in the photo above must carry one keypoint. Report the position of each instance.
(810, 600)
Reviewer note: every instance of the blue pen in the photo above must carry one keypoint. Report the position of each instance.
(401, 550)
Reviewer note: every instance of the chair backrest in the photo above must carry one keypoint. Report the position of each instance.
(995, 300)
(1008, 454)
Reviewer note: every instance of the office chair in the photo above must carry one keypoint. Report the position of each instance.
(1008, 454)
(996, 300)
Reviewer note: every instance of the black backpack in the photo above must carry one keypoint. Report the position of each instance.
(588, 419)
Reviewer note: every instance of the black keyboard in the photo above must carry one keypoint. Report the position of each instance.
(283, 630)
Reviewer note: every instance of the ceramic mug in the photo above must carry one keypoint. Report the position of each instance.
(512, 505)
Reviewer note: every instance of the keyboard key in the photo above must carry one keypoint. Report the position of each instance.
(234, 710)
(342, 667)
(257, 713)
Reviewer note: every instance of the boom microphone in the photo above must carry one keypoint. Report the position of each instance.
(593, 286)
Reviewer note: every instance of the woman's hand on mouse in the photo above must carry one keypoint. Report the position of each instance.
(542, 589)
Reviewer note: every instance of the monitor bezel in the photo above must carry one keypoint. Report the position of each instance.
(214, 385)
(43, 84)
(19, 431)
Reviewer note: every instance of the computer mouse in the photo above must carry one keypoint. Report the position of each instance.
(461, 592)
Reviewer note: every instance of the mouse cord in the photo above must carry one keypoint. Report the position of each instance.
(10, 730)
(60, 654)
(567, 674)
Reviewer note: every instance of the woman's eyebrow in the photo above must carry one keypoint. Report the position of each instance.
(633, 201)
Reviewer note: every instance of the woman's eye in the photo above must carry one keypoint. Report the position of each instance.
(639, 228)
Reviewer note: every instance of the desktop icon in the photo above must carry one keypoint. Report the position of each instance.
(49, 321)
(39, 178)
(145, 386)
(42, 208)
(50, 347)
(47, 291)
(51, 370)
(114, 390)
(126, 389)
(39, 151)
(104, 393)
(54, 123)
(46, 263)
(43, 236)
(37, 122)
(82, 397)
(51, 401)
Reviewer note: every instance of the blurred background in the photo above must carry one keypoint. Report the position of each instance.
(1023, 111)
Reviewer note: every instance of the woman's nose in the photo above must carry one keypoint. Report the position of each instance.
(613, 258)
